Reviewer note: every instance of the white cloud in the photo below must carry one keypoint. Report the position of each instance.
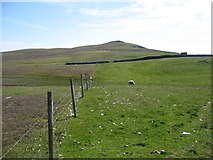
(115, 12)
(174, 25)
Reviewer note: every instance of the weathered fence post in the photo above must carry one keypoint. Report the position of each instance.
(90, 80)
(82, 87)
(73, 97)
(50, 123)
(86, 78)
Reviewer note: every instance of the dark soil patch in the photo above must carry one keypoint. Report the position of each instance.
(19, 113)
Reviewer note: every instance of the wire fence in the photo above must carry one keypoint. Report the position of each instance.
(34, 142)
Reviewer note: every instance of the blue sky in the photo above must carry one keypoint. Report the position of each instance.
(171, 25)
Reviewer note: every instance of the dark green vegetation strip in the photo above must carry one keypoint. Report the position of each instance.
(136, 59)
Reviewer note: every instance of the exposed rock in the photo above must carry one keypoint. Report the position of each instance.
(185, 133)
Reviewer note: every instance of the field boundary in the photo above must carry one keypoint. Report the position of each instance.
(53, 126)
(135, 59)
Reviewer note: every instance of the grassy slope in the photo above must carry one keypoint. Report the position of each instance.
(31, 75)
(37, 67)
(170, 96)
(111, 50)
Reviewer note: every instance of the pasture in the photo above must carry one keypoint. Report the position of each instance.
(171, 96)
(115, 120)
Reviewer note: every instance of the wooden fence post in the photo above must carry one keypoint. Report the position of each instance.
(86, 78)
(73, 97)
(90, 80)
(50, 123)
(82, 87)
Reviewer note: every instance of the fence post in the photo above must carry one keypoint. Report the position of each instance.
(82, 87)
(90, 80)
(86, 78)
(50, 123)
(73, 97)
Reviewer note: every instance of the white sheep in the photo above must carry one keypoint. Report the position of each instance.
(131, 82)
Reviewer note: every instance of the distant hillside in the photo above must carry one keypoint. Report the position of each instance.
(113, 49)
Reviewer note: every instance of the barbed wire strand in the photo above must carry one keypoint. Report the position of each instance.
(64, 97)
(59, 106)
(65, 104)
(20, 139)
(59, 102)
(61, 129)
(66, 94)
(37, 122)
(42, 126)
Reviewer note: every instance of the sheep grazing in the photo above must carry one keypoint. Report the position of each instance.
(131, 82)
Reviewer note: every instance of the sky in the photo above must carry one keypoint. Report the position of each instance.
(169, 25)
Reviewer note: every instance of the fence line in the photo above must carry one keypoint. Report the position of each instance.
(64, 96)
(60, 103)
(62, 108)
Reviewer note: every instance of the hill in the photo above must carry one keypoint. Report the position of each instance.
(110, 50)
(171, 97)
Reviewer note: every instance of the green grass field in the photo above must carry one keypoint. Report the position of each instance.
(115, 120)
